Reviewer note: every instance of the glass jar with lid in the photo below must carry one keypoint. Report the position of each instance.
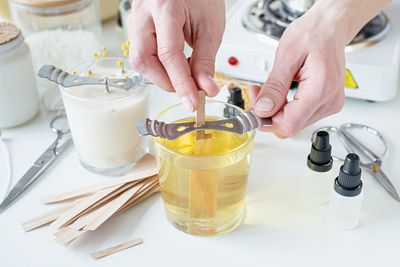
(19, 101)
(59, 32)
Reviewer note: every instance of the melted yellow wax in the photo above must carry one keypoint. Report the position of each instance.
(221, 157)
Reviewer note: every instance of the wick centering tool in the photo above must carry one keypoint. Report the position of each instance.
(244, 122)
(66, 79)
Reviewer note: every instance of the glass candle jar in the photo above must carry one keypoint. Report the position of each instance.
(103, 124)
(19, 100)
(203, 182)
(59, 32)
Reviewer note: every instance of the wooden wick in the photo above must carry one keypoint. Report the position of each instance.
(201, 116)
(203, 184)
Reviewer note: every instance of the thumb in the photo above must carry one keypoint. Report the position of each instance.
(202, 65)
(273, 93)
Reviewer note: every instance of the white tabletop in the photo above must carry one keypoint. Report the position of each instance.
(279, 228)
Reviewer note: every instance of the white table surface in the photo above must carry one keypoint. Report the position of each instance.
(279, 228)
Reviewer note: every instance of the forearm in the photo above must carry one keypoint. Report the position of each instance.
(349, 16)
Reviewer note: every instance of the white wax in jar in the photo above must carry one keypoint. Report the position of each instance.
(103, 125)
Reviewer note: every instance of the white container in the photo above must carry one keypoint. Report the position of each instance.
(19, 101)
(103, 125)
(316, 186)
(58, 32)
(345, 211)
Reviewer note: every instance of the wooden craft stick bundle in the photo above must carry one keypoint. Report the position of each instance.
(90, 206)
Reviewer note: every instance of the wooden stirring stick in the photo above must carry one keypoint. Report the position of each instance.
(111, 250)
(203, 184)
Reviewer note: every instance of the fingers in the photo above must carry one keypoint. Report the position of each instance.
(253, 93)
(203, 62)
(310, 104)
(272, 95)
(143, 56)
(170, 41)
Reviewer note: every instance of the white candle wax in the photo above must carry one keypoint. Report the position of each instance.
(103, 124)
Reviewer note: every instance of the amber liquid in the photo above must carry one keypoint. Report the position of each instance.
(228, 165)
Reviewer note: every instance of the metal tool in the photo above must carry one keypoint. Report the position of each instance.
(65, 79)
(244, 122)
(353, 145)
(60, 126)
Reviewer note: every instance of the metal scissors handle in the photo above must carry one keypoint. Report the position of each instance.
(42, 163)
(357, 145)
(353, 145)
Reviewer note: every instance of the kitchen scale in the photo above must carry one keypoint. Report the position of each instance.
(253, 29)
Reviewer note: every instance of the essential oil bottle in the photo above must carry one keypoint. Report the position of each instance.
(347, 195)
(318, 175)
(236, 99)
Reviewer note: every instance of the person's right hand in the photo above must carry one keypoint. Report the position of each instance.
(157, 30)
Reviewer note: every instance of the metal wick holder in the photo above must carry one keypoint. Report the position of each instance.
(66, 79)
(241, 124)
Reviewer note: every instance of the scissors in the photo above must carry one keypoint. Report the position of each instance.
(353, 145)
(59, 125)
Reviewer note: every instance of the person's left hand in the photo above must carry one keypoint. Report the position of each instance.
(158, 30)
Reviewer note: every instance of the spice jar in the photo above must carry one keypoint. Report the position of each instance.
(59, 32)
(103, 120)
(19, 101)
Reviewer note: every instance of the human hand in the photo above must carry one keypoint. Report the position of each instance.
(311, 51)
(157, 31)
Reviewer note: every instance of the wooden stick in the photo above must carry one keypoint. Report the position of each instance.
(46, 218)
(72, 214)
(114, 249)
(155, 187)
(203, 184)
(146, 167)
(92, 203)
(66, 235)
(85, 219)
(111, 207)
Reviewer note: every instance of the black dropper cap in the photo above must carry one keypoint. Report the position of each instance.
(320, 159)
(236, 98)
(349, 183)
